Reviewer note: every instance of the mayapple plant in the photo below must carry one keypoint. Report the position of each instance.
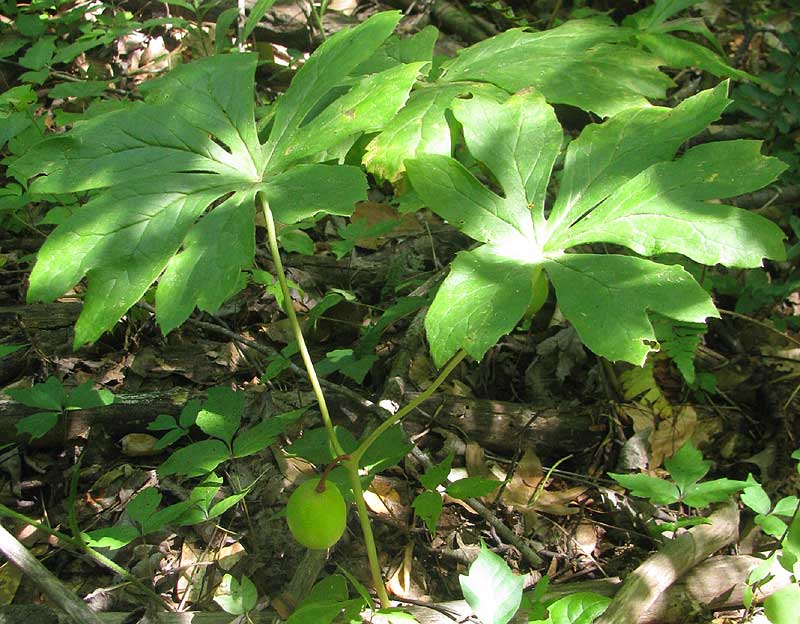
(172, 185)
(172, 181)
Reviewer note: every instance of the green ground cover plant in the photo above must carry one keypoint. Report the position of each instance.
(51, 397)
(780, 521)
(164, 193)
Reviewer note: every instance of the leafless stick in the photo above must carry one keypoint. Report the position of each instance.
(74, 608)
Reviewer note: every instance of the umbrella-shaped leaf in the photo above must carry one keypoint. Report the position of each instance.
(620, 184)
(173, 179)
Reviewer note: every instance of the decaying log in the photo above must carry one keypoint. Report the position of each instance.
(129, 413)
(452, 18)
(497, 425)
(757, 199)
(502, 426)
(47, 328)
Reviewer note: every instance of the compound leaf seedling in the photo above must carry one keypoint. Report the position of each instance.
(622, 185)
(52, 397)
(686, 467)
(219, 417)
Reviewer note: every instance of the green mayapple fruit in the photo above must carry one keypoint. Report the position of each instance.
(316, 518)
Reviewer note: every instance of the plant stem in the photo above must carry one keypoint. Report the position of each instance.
(350, 465)
(352, 470)
(296, 330)
(397, 416)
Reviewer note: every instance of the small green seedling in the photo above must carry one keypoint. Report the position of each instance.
(577, 608)
(55, 400)
(494, 593)
(220, 418)
(428, 504)
(175, 430)
(144, 517)
(686, 468)
(491, 589)
(8, 349)
(326, 601)
(236, 597)
(780, 607)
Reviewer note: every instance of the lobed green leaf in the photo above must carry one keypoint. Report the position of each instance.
(620, 185)
(174, 178)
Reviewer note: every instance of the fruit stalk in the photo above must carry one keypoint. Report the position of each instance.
(350, 465)
(406, 409)
(324, 476)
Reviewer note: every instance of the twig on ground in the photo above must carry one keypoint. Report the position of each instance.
(488, 515)
(74, 608)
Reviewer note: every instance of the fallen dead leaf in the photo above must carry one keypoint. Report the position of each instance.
(670, 434)
(190, 583)
(585, 537)
(476, 461)
(229, 556)
(525, 480)
(383, 499)
(373, 213)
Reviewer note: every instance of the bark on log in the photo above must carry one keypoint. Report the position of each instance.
(757, 199)
(497, 425)
(130, 413)
(48, 328)
(504, 427)
(714, 585)
(455, 19)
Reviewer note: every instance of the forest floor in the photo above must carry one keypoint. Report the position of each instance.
(539, 413)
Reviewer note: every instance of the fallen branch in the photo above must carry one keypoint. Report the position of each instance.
(715, 584)
(770, 195)
(452, 18)
(74, 608)
(643, 587)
